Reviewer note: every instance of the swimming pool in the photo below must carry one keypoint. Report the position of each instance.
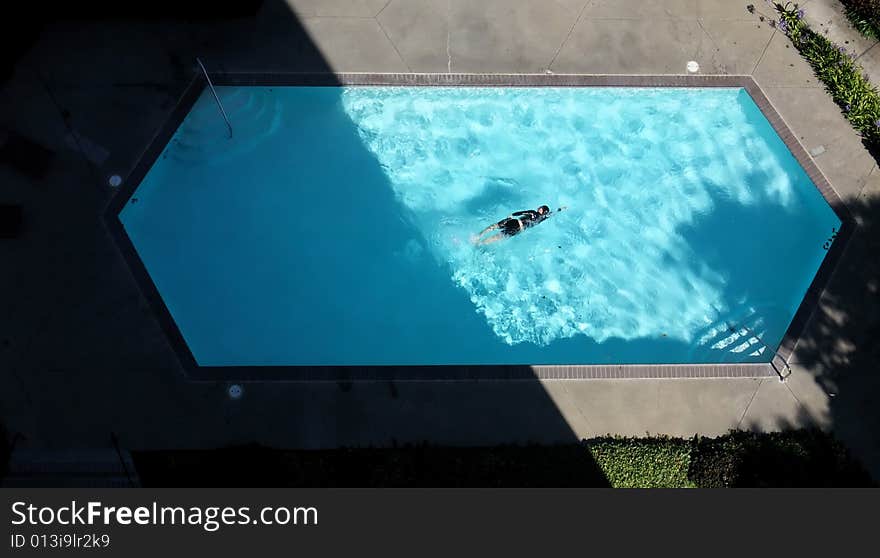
(334, 228)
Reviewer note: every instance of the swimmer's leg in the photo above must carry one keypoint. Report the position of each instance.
(493, 238)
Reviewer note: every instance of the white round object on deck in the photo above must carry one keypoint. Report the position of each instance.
(115, 180)
(693, 67)
(235, 391)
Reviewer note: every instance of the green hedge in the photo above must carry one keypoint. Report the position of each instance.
(806, 458)
(643, 463)
(419, 465)
(864, 16)
(791, 459)
(800, 458)
(837, 69)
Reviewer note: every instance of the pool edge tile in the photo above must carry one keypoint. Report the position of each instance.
(471, 373)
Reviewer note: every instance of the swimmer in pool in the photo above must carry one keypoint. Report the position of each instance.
(515, 224)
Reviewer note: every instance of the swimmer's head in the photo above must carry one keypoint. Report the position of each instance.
(543, 210)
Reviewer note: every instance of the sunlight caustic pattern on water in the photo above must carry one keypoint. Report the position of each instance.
(335, 226)
(633, 167)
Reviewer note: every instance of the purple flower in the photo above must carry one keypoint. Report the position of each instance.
(848, 108)
(841, 49)
(800, 14)
(783, 26)
(877, 123)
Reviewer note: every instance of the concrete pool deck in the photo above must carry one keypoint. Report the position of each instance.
(82, 356)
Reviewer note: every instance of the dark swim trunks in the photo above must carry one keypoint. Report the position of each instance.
(511, 225)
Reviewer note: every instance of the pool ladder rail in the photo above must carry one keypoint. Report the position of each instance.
(785, 371)
(216, 98)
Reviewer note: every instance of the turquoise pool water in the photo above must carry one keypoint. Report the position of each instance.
(334, 227)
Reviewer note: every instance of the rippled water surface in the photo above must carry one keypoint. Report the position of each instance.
(334, 228)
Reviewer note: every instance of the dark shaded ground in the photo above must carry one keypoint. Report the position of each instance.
(414, 466)
(17, 36)
(19, 31)
(5, 450)
(802, 458)
(840, 349)
(24, 155)
(155, 10)
(97, 330)
(90, 354)
(844, 343)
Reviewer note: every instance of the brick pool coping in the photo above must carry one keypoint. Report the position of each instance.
(476, 372)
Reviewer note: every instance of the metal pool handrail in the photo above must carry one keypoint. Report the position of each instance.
(774, 351)
(216, 98)
(733, 327)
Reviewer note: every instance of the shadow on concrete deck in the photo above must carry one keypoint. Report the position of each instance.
(838, 355)
(82, 350)
(528, 466)
(87, 347)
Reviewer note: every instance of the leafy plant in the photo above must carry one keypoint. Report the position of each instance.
(805, 458)
(797, 458)
(643, 463)
(837, 69)
(864, 15)
(800, 458)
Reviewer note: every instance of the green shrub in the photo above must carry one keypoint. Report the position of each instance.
(864, 16)
(837, 69)
(801, 458)
(805, 458)
(643, 462)
(421, 465)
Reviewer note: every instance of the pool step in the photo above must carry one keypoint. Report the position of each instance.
(723, 340)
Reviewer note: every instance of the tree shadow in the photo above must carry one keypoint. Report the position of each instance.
(750, 307)
(839, 347)
(155, 11)
(22, 30)
(419, 465)
(17, 36)
(793, 456)
(5, 451)
(94, 274)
